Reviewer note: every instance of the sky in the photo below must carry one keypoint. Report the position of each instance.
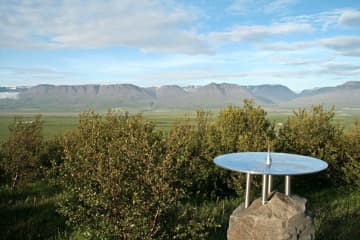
(302, 44)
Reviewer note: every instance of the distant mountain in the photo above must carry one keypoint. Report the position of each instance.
(80, 97)
(127, 96)
(272, 93)
(317, 91)
(213, 95)
(344, 95)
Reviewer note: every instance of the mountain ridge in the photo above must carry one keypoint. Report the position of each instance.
(213, 95)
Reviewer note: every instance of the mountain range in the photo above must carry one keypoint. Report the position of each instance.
(72, 98)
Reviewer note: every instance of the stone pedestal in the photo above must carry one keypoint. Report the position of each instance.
(281, 218)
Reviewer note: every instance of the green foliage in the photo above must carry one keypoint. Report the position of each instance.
(52, 157)
(313, 133)
(28, 212)
(114, 178)
(243, 129)
(21, 152)
(351, 167)
(190, 221)
(2, 171)
(119, 178)
(335, 212)
(190, 148)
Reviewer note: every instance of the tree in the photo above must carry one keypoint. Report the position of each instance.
(242, 129)
(21, 151)
(351, 167)
(313, 133)
(115, 179)
(190, 149)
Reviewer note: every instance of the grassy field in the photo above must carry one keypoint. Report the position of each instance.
(59, 123)
(53, 125)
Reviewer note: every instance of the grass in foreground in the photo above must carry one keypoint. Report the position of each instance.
(337, 213)
(29, 213)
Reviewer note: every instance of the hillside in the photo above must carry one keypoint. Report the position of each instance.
(272, 93)
(127, 96)
(345, 95)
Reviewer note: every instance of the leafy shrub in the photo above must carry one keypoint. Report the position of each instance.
(351, 167)
(242, 129)
(191, 148)
(115, 179)
(52, 157)
(122, 179)
(313, 133)
(2, 171)
(21, 151)
(190, 221)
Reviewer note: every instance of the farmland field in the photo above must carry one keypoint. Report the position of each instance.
(56, 124)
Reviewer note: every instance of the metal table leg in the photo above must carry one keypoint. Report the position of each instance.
(264, 189)
(287, 185)
(270, 184)
(247, 193)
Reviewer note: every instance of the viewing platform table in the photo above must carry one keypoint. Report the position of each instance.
(283, 164)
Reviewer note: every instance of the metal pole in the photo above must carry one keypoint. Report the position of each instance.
(264, 188)
(247, 193)
(270, 184)
(287, 185)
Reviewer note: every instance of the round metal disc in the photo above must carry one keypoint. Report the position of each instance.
(282, 163)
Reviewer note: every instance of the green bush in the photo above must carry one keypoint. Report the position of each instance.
(314, 133)
(243, 129)
(122, 179)
(115, 178)
(191, 148)
(21, 151)
(52, 157)
(351, 167)
(2, 171)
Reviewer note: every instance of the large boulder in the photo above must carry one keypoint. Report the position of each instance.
(281, 218)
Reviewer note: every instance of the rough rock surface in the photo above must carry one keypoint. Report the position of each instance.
(281, 218)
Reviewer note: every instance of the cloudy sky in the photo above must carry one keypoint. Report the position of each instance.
(297, 43)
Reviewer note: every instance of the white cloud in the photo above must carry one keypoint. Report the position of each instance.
(148, 25)
(19, 75)
(243, 7)
(324, 20)
(299, 61)
(278, 6)
(286, 46)
(344, 45)
(350, 18)
(342, 68)
(34, 71)
(260, 32)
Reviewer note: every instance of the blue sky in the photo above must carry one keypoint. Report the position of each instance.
(298, 43)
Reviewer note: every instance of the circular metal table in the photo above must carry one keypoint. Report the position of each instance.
(285, 164)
